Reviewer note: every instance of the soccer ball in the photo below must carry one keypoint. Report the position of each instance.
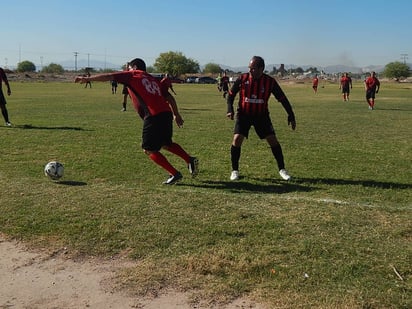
(54, 170)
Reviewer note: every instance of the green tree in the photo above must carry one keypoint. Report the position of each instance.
(53, 68)
(26, 66)
(212, 68)
(176, 64)
(396, 70)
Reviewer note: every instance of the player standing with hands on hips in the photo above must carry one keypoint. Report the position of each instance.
(255, 89)
(157, 107)
(3, 102)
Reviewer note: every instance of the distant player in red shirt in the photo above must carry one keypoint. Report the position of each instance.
(157, 107)
(372, 86)
(255, 89)
(3, 102)
(345, 85)
(168, 82)
(315, 83)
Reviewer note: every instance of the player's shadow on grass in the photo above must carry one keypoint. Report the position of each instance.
(353, 182)
(266, 186)
(31, 127)
(394, 109)
(71, 183)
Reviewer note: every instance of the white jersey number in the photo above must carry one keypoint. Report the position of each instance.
(151, 86)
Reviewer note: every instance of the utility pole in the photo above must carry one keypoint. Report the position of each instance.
(404, 57)
(75, 61)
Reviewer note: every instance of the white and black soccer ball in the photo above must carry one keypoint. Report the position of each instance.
(54, 170)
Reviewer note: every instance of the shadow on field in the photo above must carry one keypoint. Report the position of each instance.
(394, 109)
(31, 127)
(364, 183)
(72, 183)
(271, 186)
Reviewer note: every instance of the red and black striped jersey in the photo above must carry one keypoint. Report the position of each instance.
(254, 95)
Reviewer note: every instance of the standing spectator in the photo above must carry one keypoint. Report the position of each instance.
(219, 82)
(372, 86)
(255, 89)
(225, 84)
(168, 82)
(345, 83)
(125, 94)
(114, 86)
(88, 75)
(3, 102)
(157, 107)
(315, 83)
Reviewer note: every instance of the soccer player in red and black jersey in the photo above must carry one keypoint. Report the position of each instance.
(345, 84)
(3, 102)
(372, 86)
(168, 82)
(157, 107)
(315, 83)
(225, 84)
(254, 90)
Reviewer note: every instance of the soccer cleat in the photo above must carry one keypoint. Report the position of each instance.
(123, 109)
(173, 179)
(284, 174)
(8, 124)
(234, 175)
(193, 166)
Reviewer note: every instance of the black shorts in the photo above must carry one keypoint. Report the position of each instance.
(370, 94)
(124, 90)
(157, 131)
(345, 89)
(2, 98)
(262, 123)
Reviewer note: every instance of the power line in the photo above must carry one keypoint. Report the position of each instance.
(404, 57)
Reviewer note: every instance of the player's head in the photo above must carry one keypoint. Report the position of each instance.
(256, 67)
(137, 64)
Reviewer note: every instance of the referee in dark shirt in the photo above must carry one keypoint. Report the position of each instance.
(254, 90)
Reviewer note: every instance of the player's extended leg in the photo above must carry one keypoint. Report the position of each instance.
(4, 113)
(192, 162)
(161, 160)
(278, 154)
(235, 151)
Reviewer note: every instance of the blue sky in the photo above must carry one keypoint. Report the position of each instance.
(319, 32)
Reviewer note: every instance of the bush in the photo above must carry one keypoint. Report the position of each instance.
(26, 66)
(53, 68)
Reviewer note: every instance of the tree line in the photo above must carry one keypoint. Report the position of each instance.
(177, 64)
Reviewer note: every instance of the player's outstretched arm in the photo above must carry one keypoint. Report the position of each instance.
(95, 78)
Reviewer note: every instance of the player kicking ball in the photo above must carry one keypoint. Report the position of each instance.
(157, 107)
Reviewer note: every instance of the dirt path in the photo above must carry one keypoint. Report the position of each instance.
(33, 280)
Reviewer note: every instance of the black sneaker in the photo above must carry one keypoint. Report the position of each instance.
(173, 179)
(193, 166)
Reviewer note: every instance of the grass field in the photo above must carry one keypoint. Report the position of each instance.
(337, 236)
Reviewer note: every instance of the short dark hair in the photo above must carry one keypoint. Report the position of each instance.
(259, 61)
(139, 63)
